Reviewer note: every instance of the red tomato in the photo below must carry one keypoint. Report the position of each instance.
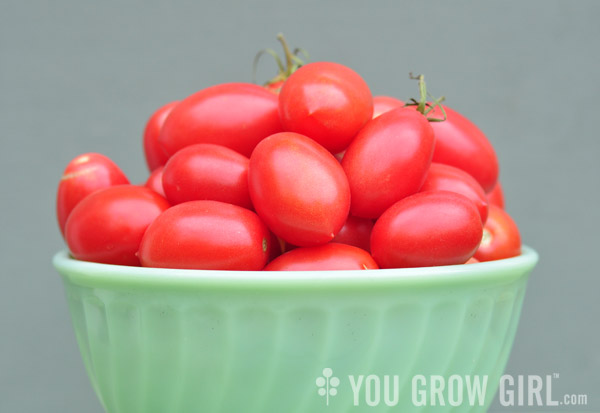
(448, 178)
(236, 115)
(496, 196)
(388, 160)
(356, 231)
(286, 246)
(155, 182)
(298, 189)
(329, 256)
(275, 247)
(155, 154)
(427, 229)
(383, 104)
(501, 238)
(206, 235)
(83, 175)
(460, 143)
(207, 171)
(472, 260)
(326, 101)
(108, 225)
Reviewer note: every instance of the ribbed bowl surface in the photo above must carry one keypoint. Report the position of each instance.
(156, 340)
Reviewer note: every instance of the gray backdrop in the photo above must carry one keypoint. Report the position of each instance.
(79, 77)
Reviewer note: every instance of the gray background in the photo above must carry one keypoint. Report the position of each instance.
(79, 77)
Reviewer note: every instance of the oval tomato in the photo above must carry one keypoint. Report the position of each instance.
(501, 237)
(442, 177)
(206, 235)
(427, 229)
(155, 182)
(383, 104)
(460, 143)
(496, 196)
(236, 115)
(154, 152)
(327, 102)
(330, 256)
(388, 160)
(298, 188)
(85, 174)
(356, 231)
(108, 225)
(207, 171)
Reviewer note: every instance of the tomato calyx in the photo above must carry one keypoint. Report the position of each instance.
(423, 105)
(292, 62)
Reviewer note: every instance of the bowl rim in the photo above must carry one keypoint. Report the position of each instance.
(92, 274)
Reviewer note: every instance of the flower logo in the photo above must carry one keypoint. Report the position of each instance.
(327, 384)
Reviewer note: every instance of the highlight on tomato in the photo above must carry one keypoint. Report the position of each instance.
(327, 102)
(84, 175)
(154, 153)
(107, 226)
(235, 115)
(155, 181)
(442, 177)
(427, 229)
(383, 104)
(206, 235)
(205, 171)
(501, 237)
(330, 256)
(388, 160)
(298, 189)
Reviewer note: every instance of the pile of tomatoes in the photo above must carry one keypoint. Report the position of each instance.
(319, 175)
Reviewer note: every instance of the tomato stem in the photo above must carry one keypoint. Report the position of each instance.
(287, 52)
(422, 104)
(292, 61)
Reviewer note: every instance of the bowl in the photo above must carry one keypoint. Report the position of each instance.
(167, 340)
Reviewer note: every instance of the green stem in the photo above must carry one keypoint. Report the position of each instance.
(422, 105)
(289, 57)
(292, 61)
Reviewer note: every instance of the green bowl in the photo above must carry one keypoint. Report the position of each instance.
(165, 340)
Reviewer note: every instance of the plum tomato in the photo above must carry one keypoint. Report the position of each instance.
(327, 102)
(442, 177)
(236, 115)
(388, 160)
(331, 256)
(427, 229)
(206, 235)
(501, 238)
(298, 189)
(154, 152)
(155, 182)
(383, 104)
(107, 226)
(460, 143)
(205, 171)
(85, 174)
(356, 231)
(496, 196)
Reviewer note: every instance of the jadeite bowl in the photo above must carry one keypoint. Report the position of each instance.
(187, 341)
